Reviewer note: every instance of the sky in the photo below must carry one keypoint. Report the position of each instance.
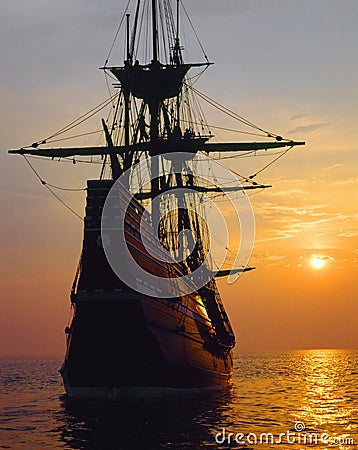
(288, 65)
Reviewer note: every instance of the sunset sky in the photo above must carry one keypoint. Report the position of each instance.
(288, 65)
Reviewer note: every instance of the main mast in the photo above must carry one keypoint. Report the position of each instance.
(153, 92)
(154, 104)
(154, 31)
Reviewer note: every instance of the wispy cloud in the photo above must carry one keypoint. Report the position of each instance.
(287, 192)
(265, 255)
(289, 222)
(300, 116)
(352, 180)
(270, 211)
(275, 257)
(348, 234)
(323, 257)
(332, 167)
(309, 128)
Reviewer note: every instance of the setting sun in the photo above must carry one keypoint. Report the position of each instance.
(317, 262)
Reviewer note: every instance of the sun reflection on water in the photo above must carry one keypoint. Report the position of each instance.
(271, 393)
(315, 388)
(326, 401)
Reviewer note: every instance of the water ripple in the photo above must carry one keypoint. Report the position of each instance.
(271, 393)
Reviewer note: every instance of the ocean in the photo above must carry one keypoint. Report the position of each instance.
(287, 400)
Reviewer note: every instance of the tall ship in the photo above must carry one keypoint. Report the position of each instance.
(148, 318)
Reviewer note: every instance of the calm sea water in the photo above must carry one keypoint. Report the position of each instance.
(272, 398)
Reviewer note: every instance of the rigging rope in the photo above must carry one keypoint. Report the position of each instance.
(232, 114)
(66, 159)
(77, 121)
(75, 136)
(116, 35)
(227, 129)
(49, 189)
(271, 162)
(194, 31)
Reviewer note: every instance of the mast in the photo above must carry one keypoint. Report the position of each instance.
(154, 30)
(116, 168)
(134, 33)
(158, 86)
(154, 105)
(154, 123)
(177, 36)
(126, 94)
(128, 42)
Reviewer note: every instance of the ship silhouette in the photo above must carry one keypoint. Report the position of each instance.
(131, 336)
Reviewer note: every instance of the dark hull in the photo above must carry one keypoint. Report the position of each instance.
(125, 344)
(136, 342)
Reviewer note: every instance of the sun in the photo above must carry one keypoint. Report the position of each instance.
(317, 262)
